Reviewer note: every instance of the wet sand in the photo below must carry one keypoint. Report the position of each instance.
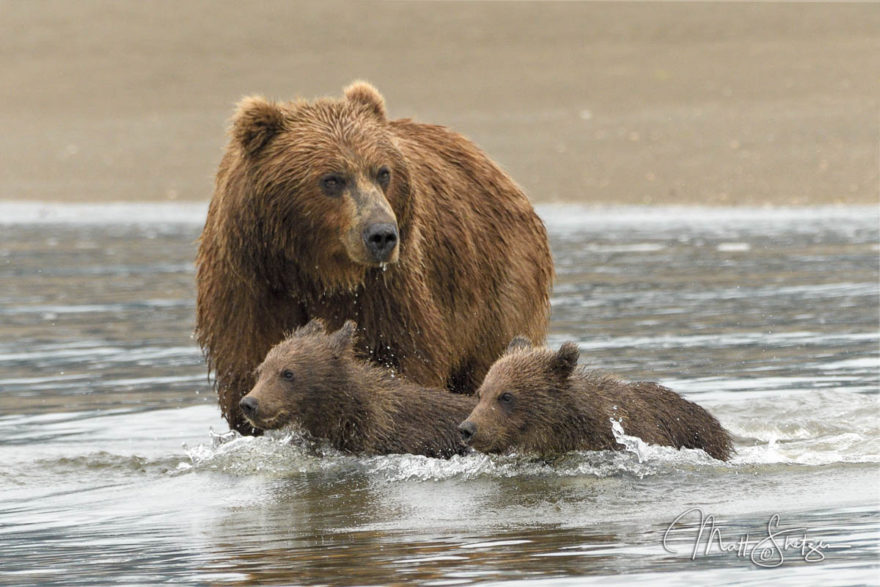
(619, 103)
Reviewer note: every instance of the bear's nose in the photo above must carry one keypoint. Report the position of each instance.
(380, 238)
(249, 406)
(467, 430)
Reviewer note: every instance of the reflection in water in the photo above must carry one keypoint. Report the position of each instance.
(110, 471)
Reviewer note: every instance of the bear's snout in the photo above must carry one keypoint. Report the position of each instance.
(249, 406)
(381, 239)
(467, 429)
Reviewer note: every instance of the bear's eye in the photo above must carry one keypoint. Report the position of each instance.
(287, 375)
(506, 397)
(384, 177)
(332, 184)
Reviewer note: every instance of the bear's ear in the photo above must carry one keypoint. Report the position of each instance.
(315, 326)
(565, 359)
(361, 92)
(343, 338)
(519, 343)
(255, 123)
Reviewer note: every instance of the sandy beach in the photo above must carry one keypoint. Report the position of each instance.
(614, 103)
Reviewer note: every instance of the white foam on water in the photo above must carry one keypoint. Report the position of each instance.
(565, 217)
(733, 247)
(819, 428)
(277, 453)
(555, 216)
(815, 428)
(289, 452)
(626, 248)
(18, 212)
(860, 363)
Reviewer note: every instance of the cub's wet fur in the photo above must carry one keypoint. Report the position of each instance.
(538, 400)
(313, 379)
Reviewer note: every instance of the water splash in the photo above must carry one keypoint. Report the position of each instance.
(633, 444)
(290, 452)
(824, 428)
(820, 428)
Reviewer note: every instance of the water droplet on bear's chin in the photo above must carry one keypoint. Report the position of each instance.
(384, 267)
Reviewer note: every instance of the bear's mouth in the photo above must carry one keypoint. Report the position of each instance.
(360, 255)
(278, 420)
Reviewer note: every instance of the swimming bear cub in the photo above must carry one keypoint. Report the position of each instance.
(313, 379)
(539, 401)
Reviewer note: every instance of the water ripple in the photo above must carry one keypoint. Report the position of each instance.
(110, 469)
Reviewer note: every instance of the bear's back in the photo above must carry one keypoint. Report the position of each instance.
(423, 421)
(658, 415)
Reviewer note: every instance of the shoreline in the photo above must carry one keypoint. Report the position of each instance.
(555, 214)
(696, 103)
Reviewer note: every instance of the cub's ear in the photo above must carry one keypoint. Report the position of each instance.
(519, 343)
(361, 92)
(343, 338)
(565, 359)
(255, 122)
(315, 326)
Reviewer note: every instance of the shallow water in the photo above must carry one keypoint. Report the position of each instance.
(114, 465)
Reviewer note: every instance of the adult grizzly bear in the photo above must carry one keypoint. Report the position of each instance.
(328, 209)
(313, 379)
(537, 400)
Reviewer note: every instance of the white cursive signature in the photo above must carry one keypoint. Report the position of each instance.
(769, 551)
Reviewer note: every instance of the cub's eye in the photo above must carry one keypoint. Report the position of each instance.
(506, 397)
(384, 177)
(287, 375)
(332, 184)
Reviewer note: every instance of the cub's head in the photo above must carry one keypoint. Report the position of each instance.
(521, 398)
(300, 377)
(325, 181)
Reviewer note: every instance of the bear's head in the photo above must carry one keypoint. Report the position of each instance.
(522, 399)
(301, 378)
(325, 183)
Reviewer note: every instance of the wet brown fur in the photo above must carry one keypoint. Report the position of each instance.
(556, 406)
(356, 405)
(473, 265)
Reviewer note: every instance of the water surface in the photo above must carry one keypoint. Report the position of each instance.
(115, 466)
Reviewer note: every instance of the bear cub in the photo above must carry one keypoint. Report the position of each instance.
(313, 379)
(539, 401)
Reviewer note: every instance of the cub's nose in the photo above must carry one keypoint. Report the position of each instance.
(380, 239)
(249, 406)
(467, 430)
